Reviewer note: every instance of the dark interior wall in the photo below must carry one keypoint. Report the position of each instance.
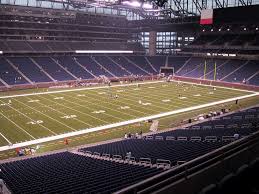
(244, 14)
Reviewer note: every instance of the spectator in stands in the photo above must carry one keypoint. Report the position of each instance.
(140, 134)
(236, 136)
(128, 154)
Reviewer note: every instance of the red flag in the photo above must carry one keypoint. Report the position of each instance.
(206, 16)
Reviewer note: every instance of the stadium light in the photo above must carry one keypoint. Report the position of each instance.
(1, 52)
(138, 4)
(147, 6)
(132, 3)
(102, 51)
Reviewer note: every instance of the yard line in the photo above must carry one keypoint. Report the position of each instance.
(159, 96)
(123, 123)
(131, 104)
(118, 101)
(240, 90)
(29, 117)
(152, 101)
(120, 119)
(6, 139)
(166, 95)
(46, 116)
(151, 105)
(162, 93)
(102, 106)
(63, 113)
(76, 110)
(170, 90)
(21, 109)
(29, 113)
(148, 96)
(17, 126)
(128, 99)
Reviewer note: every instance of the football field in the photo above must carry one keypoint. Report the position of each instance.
(33, 116)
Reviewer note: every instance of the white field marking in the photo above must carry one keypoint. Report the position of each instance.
(18, 126)
(240, 90)
(68, 117)
(123, 123)
(120, 90)
(134, 96)
(33, 100)
(5, 104)
(58, 98)
(80, 95)
(49, 107)
(136, 89)
(78, 89)
(166, 100)
(166, 96)
(108, 102)
(79, 105)
(30, 117)
(196, 95)
(124, 107)
(149, 97)
(193, 100)
(100, 106)
(152, 99)
(33, 113)
(22, 108)
(211, 92)
(183, 97)
(164, 85)
(45, 116)
(99, 111)
(124, 85)
(6, 139)
(101, 93)
(35, 122)
(146, 103)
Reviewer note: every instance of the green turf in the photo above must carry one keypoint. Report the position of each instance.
(16, 119)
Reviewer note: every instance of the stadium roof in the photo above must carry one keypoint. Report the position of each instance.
(137, 9)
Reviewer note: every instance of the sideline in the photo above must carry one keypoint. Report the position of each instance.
(78, 89)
